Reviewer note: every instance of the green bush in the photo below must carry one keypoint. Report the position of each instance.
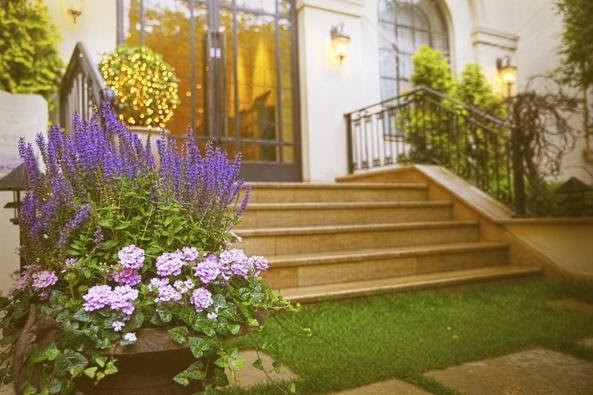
(29, 59)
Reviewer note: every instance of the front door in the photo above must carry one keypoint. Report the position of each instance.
(236, 62)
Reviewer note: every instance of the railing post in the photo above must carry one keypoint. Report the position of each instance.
(349, 154)
(518, 171)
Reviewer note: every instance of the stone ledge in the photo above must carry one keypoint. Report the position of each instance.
(345, 7)
(494, 38)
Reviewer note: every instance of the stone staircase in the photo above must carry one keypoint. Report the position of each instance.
(326, 241)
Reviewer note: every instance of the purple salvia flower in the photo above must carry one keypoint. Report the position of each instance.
(201, 298)
(82, 214)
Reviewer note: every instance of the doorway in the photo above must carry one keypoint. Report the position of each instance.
(237, 68)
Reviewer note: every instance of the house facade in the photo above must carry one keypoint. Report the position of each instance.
(262, 77)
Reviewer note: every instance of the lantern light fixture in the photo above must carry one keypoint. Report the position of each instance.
(507, 72)
(340, 42)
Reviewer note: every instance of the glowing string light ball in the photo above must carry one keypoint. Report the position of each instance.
(146, 87)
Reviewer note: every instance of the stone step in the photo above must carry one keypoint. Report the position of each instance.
(287, 192)
(342, 213)
(306, 240)
(318, 293)
(323, 268)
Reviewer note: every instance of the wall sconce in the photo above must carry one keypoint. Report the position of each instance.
(340, 42)
(507, 72)
(75, 10)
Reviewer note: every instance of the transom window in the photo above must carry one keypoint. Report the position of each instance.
(404, 25)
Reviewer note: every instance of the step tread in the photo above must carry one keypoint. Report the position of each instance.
(322, 185)
(381, 253)
(347, 205)
(441, 279)
(354, 228)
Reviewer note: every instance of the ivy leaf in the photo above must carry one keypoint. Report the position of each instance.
(198, 346)
(292, 388)
(234, 328)
(258, 364)
(164, 314)
(91, 372)
(179, 334)
(111, 368)
(277, 366)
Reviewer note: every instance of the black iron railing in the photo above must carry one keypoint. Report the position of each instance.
(427, 127)
(82, 89)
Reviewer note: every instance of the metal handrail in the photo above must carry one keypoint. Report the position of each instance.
(82, 88)
(427, 126)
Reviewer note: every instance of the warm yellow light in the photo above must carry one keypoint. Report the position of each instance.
(340, 42)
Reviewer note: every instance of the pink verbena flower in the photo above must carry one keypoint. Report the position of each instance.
(97, 297)
(183, 287)
(208, 270)
(131, 257)
(201, 298)
(122, 298)
(169, 264)
(165, 291)
(44, 279)
(126, 276)
(258, 263)
(189, 254)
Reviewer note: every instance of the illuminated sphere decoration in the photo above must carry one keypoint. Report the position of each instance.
(145, 86)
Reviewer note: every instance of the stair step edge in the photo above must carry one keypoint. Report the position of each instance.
(354, 228)
(406, 283)
(384, 253)
(348, 205)
(321, 185)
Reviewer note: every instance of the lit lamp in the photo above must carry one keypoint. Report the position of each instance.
(340, 42)
(75, 10)
(507, 72)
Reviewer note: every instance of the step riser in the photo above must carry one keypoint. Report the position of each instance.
(261, 195)
(307, 243)
(305, 275)
(347, 216)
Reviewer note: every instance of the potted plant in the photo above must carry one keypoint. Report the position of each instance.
(146, 87)
(131, 283)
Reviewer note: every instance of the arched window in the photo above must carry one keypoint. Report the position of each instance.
(403, 26)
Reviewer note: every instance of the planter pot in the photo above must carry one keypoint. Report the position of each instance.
(146, 367)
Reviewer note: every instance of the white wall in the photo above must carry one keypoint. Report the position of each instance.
(20, 116)
(96, 27)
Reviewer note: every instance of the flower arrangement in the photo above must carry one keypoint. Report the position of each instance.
(117, 242)
(146, 87)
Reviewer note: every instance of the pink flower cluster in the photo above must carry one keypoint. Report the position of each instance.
(120, 298)
(131, 259)
(41, 281)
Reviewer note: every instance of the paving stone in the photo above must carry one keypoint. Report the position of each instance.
(249, 376)
(389, 387)
(587, 342)
(538, 371)
(573, 304)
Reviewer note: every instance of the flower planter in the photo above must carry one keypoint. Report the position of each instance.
(146, 368)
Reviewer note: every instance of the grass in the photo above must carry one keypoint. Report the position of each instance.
(361, 341)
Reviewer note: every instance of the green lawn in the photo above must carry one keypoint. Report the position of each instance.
(357, 342)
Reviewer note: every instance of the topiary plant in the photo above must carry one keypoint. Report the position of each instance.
(431, 69)
(145, 85)
(29, 59)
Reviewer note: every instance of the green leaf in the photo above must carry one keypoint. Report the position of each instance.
(277, 365)
(164, 314)
(101, 361)
(91, 372)
(234, 328)
(179, 334)
(198, 346)
(182, 379)
(258, 364)
(292, 388)
(111, 368)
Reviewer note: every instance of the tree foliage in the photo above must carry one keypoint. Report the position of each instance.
(29, 59)
(577, 41)
(431, 69)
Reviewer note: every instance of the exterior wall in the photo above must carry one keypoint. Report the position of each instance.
(480, 31)
(96, 27)
(20, 116)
